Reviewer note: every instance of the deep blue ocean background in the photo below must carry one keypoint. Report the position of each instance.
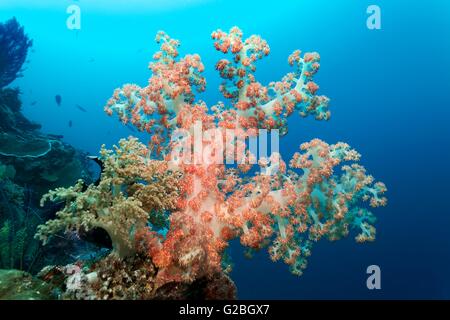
(390, 99)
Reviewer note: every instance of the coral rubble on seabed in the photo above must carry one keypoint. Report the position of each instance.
(171, 219)
(132, 278)
(20, 285)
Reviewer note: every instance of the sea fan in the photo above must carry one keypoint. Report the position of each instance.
(14, 44)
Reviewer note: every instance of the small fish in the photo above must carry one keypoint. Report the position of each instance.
(81, 108)
(130, 128)
(70, 123)
(55, 136)
(58, 99)
(33, 103)
(91, 60)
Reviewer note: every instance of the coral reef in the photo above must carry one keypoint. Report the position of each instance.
(199, 202)
(42, 160)
(14, 45)
(30, 163)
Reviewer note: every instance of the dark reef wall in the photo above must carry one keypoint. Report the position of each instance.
(31, 163)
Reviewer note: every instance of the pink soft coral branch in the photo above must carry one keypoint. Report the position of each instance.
(260, 106)
(154, 108)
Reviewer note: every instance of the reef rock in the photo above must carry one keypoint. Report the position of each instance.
(20, 285)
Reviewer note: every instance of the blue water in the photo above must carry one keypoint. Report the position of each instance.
(390, 99)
